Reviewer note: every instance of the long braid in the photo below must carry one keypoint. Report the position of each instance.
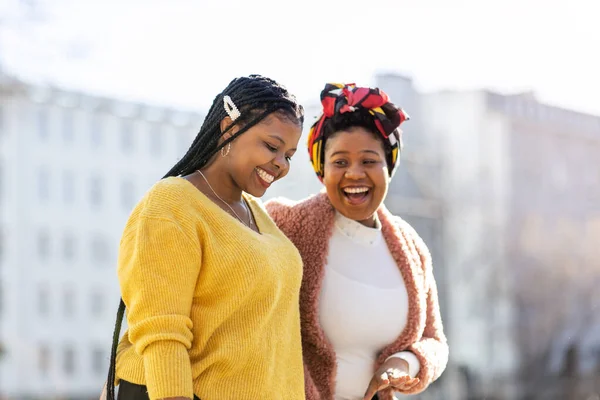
(256, 97)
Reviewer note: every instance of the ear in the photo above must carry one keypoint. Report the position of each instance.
(226, 123)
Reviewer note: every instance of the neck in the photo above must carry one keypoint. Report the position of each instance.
(222, 184)
(370, 222)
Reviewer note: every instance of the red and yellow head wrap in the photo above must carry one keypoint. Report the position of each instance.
(345, 98)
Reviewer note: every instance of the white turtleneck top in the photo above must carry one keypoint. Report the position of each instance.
(363, 305)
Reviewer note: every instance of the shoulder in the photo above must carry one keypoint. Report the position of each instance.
(413, 236)
(283, 210)
(170, 198)
(279, 206)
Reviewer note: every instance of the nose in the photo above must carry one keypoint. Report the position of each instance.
(355, 171)
(281, 162)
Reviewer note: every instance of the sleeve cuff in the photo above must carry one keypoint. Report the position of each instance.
(414, 366)
(168, 370)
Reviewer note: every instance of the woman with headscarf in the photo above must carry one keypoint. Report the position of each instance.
(371, 322)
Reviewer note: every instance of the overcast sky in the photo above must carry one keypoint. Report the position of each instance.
(183, 52)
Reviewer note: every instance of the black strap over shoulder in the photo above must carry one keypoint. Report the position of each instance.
(110, 382)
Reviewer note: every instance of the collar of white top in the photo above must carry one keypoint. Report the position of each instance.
(357, 231)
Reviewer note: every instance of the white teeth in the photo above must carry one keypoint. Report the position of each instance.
(265, 175)
(356, 190)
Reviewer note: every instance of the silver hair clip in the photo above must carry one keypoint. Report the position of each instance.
(230, 108)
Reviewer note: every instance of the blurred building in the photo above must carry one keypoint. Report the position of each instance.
(519, 186)
(475, 189)
(72, 166)
(553, 242)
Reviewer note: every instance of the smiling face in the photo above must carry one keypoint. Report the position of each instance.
(262, 154)
(356, 174)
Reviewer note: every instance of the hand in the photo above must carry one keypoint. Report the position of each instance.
(393, 374)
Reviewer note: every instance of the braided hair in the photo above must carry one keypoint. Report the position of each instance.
(256, 97)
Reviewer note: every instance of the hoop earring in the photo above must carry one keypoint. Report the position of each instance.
(228, 148)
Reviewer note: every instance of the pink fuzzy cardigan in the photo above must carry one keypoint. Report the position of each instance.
(309, 225)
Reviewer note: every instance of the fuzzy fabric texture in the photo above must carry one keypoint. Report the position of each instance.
(309, 225)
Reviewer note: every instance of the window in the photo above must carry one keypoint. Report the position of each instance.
(96, 191)
(68, 187)
(156, 140)
(2, 246)
(43, 184)
(42, 123)
(43, 245)
(68, 303)
(99, 364)
(99, 250)
(2, 124)
(68, 247)
(43, 360)
(127, 136)
(96, 131)
(127, 195)
(43, 301)
(68, 125)
(68, 360)
(97, 304)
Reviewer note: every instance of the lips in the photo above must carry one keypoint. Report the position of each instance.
(265, 177)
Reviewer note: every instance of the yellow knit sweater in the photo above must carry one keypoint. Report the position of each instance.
(212, 306)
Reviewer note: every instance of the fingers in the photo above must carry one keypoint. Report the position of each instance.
(403, 383)
(391, 378)
(377, 383)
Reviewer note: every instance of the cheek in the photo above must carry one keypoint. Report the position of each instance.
(332, 177)
(381, 182)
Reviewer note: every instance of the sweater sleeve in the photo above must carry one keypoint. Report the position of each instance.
(432, 348)
(159, 263)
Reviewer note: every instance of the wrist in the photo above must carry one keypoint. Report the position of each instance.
(414, 366)
(398, 363)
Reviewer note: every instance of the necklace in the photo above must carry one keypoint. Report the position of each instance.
(227, 204)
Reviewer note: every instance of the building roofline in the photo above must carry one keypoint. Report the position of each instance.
(48, 93)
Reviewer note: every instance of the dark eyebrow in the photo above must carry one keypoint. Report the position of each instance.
(362, 151)
(277, 137)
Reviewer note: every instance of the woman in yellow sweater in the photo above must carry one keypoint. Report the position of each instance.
(210, 284)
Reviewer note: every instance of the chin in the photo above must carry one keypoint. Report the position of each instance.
(356, 214)
(255, 190)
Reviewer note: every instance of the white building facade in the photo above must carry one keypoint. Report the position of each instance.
(72, 167)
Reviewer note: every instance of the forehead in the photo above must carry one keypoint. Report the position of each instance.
(277, 124)
(354, 140)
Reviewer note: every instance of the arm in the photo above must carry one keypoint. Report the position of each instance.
(158, 270)
(431, 349)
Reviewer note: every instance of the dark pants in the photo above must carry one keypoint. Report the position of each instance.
(131, 391)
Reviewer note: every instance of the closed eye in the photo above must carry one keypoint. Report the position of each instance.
(271, 148)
